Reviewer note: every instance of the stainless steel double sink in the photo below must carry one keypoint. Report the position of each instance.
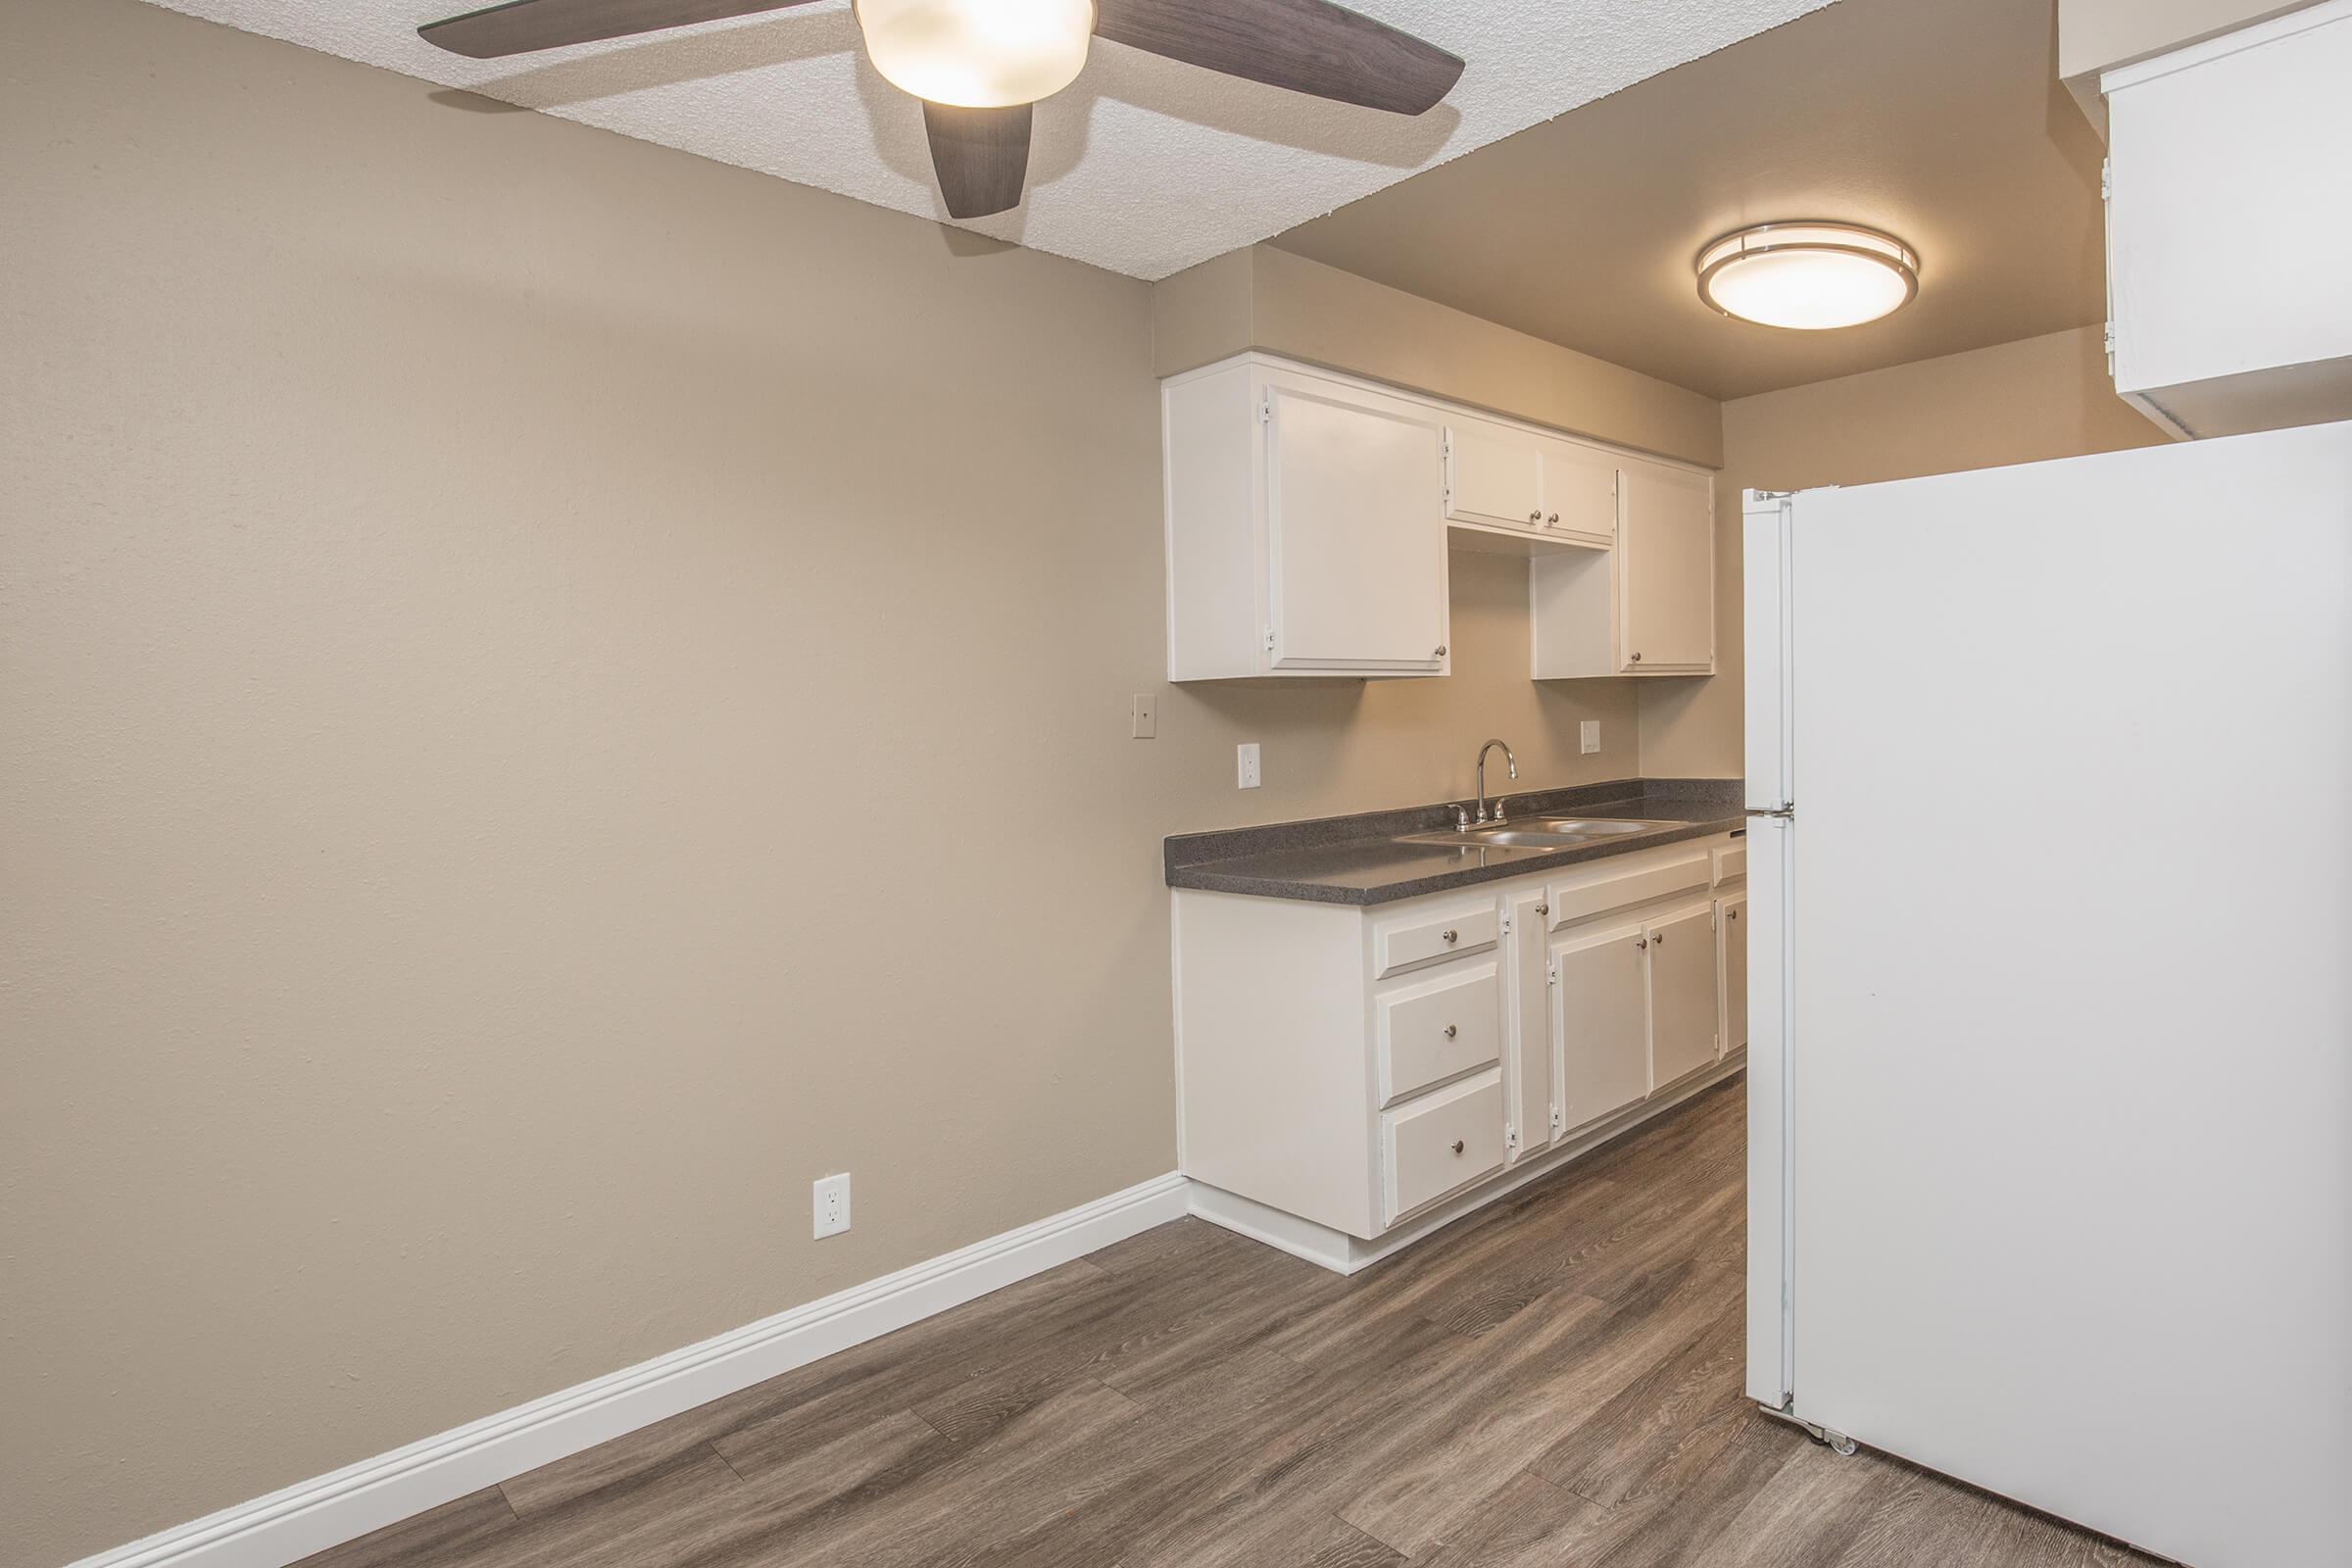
(1539, 833)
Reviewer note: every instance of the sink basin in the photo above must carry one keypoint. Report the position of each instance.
(1599, 827)
(1539, 833)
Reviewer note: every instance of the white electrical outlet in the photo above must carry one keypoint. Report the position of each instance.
(832, 1194)
(1246, 761)
(1589, 733)
(1145, 722)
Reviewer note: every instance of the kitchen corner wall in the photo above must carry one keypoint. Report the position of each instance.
(554, 692)
(2022, 402)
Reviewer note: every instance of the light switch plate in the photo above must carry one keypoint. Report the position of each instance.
(1246, 762)
(1589, 735)
(1146, 722)
(831, 1195)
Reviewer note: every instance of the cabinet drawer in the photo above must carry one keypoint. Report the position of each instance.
(1730, 862)
(1676, 871)
(1437, 1030)
(1429, 936)
(1442, 1142)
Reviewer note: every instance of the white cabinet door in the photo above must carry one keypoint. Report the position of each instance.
(1731, 941)
(1580, 493)
(1355, 534)
(1495, 476)
(1666, 572)
(1599, 1009)
(1683, 1005)
(1528, 1045)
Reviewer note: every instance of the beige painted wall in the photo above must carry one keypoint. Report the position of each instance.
(479, 598)
(1267, 298)
(2022, 402)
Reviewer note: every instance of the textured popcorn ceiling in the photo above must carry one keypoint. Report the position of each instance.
(1142, 165)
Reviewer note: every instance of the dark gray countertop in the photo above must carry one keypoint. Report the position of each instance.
(1359, 859)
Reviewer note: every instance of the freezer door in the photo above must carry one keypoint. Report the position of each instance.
(1765, 576)
(2071, 1146)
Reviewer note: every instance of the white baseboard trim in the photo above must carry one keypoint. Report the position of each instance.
(313, 1515)
(1343, 1254)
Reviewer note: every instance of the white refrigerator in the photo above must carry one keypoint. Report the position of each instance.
(2050, 1022)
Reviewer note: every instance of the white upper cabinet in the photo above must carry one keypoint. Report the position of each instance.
(1504, 478)
(1580, 494)
(1647, 607)
(1310, 515)
(2226, 228)
(1666, 570)
(1494, 476)
(1356, 562)
(1305, 528)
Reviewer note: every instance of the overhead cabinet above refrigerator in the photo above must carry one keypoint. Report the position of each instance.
(2228, 234)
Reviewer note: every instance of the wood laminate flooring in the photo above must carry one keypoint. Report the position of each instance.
(1554, 1381)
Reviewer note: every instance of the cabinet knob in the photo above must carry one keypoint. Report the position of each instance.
(1457, 1146)
(1535, 517)
(1734, 914)
(1635, 660)
(1437, 652)
(1659, 939)
(1641, 942)
(1542, 909)
(1452, 1031)
(1448, 936)
(1552, 518)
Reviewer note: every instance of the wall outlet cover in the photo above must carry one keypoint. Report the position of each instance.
(832, 1204)
(1144, 722)
(1589, 735)
(1245, 764)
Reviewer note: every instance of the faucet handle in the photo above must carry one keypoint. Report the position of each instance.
(1461, 819)
(1497, 811)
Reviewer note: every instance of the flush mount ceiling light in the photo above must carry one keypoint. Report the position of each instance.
(1810, 277)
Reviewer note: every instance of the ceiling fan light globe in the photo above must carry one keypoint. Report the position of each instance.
(978, 54)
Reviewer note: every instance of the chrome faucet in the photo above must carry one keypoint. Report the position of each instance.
(1509, 761)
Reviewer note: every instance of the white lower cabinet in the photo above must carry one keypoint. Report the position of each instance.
(1730, 937)
(1601, 1017)
(1534, 1113)
(1350, 1076)
(1684, 1015)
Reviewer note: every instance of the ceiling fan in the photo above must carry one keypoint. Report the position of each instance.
(980, 66)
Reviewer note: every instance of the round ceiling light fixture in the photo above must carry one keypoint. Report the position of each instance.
(1809, 277)
(979, 54)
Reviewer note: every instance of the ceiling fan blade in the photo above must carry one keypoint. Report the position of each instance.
(982, 156)
(521, 25)
(1309, 46)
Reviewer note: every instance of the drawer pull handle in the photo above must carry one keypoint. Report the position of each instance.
(1450, 1031)
(1457, 1146)
(1449, 936)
